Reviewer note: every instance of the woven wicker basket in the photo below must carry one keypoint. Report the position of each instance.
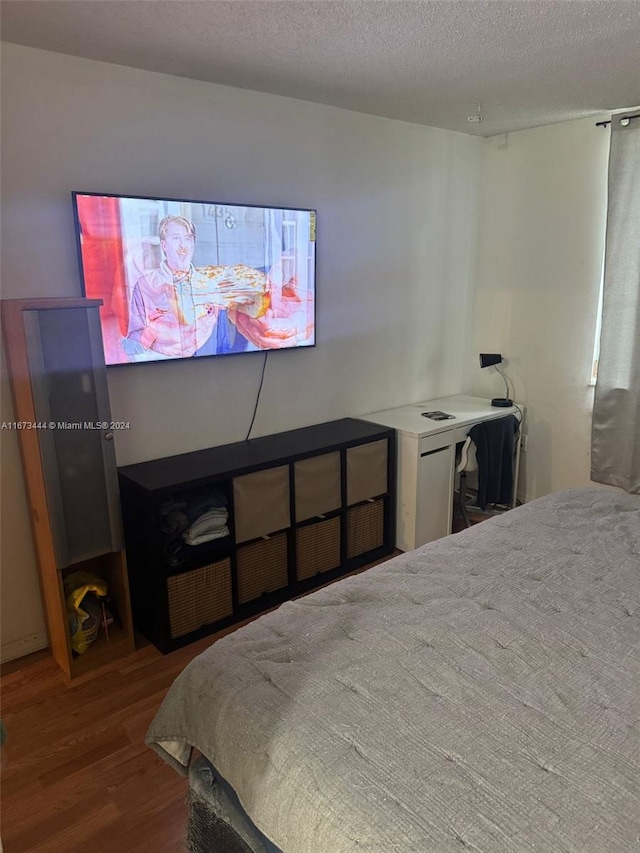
(262, 567)
(200, 597)
(365, 528)
(317, 548)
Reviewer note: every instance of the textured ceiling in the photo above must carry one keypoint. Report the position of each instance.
(527, 62)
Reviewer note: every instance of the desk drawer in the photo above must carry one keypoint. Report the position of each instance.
(435, 442)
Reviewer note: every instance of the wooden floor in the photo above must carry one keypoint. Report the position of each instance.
(76, 775)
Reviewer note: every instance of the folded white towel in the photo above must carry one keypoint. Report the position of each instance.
(205, 537)
(211, 525)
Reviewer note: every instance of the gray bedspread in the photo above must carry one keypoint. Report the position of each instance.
(481, 693)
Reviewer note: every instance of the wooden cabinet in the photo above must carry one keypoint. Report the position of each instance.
(294, 509)
(61, 403)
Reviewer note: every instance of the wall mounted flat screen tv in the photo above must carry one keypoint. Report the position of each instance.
(190, 278)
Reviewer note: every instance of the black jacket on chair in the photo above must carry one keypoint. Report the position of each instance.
(495, 446)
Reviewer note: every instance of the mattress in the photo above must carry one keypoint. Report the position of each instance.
(481, 692)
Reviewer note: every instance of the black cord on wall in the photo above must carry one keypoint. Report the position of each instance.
(255, 408)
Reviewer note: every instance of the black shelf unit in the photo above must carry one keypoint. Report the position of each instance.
(304, 507)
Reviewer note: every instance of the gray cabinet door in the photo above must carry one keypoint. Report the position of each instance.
(70, 395)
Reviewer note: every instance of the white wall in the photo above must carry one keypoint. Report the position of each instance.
(397, 220)
(540, 256)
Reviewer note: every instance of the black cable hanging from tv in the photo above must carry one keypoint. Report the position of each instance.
(255, 408)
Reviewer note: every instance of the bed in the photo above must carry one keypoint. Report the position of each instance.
(481, 693)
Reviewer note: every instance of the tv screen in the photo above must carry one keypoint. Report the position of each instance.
(180, 279)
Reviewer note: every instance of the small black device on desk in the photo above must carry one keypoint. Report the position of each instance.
(437, 416)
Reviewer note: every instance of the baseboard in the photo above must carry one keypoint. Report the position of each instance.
(20, 648)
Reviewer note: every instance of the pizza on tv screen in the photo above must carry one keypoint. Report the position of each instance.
(180, 279)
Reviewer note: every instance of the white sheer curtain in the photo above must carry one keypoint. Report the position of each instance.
(615, 436)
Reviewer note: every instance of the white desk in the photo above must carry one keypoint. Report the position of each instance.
(426, 462)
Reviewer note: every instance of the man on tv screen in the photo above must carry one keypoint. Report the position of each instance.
(174, 309)
(181, 278)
